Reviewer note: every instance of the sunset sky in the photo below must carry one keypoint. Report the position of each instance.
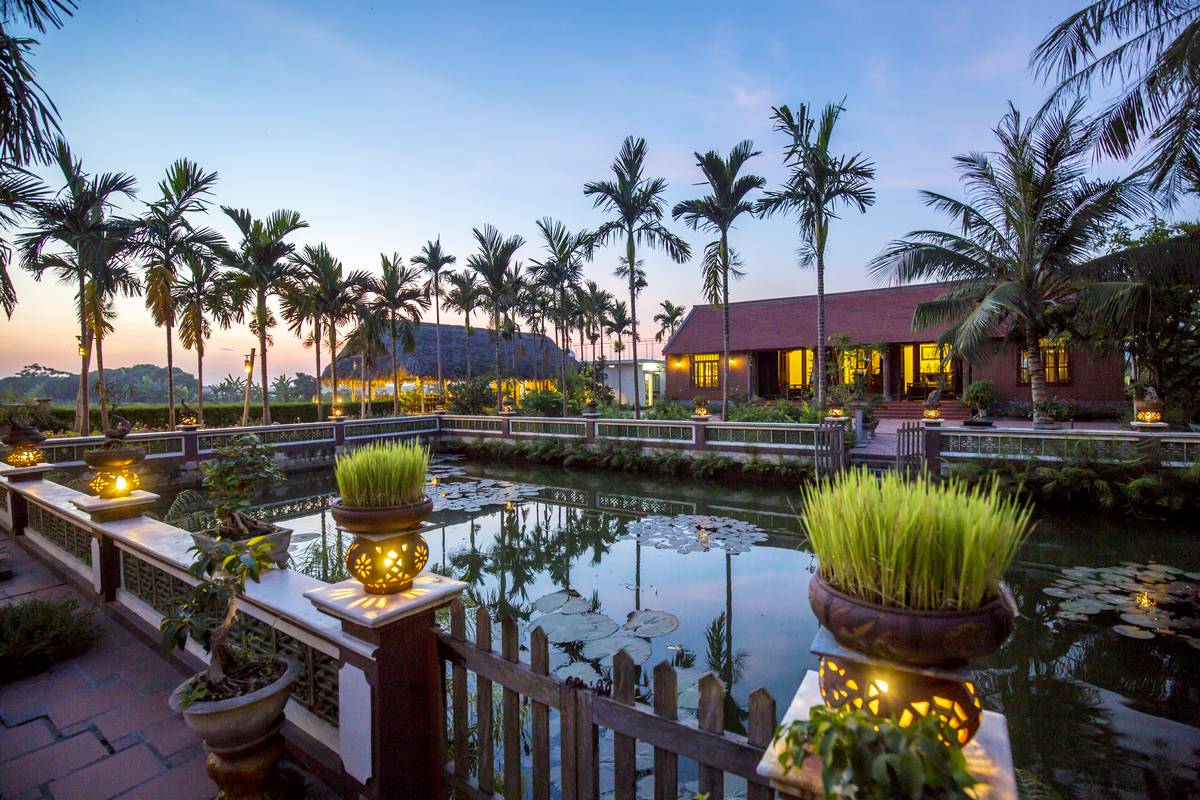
(385, 126)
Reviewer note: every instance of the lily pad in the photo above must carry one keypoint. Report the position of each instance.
(649, 623)
(1054, 591)
(562, 628)
(604, 649)
(580, 670)
(1133, 632)
(565, 601)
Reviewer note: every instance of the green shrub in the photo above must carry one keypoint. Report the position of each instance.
(37, 634)
(546, 403)
(383, 474)
(780, 411)
(241, 469)
(980, 395)
(669, 409)
(917, 544)
(474, 396)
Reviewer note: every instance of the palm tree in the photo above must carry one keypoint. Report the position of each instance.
(669, 320)
(1031, 217)
(636, 204)
(365, 340)
(200, 295)
(560, 272)
(19, 191)
(465, 296)
(78, 218)
(334, 297)
(492, 264)
(432, 259)
(1148, 47)
(716, 212)
(400, 298)
(620, 324)
(167, 238)
(818, 184)
(298, 304)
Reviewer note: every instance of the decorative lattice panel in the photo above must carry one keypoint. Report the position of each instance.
(363, 430)
(629, 430)
(483, 424)
(73, 539)
(542, 428)
(286, 436)
(785, 436)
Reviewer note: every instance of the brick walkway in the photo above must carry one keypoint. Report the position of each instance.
(98, 726)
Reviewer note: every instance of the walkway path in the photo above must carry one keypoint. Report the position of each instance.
(98, 726)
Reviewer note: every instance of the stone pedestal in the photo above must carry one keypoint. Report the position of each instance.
(20, 474)
(932, 423)
(101, 510)
(1149, 426)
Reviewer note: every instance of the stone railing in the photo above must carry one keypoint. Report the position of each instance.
(1171, 449)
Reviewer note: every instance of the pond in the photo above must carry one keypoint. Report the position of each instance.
(1100, 681)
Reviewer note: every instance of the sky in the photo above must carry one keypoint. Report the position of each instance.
(386, 125)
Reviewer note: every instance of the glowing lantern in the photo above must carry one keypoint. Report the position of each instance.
(115, 483)
(23, 455)
(837, 411)
(1149, 415)
(932, 413)
(387, 564)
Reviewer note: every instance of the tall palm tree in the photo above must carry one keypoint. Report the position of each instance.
(465, 296)
(1031, 217)
(335, 295)
(261, 267)
(636, 205)
(716, 212)
(167, 238)
(298, 304)
(669, 319)
(1148, 48)
(433, 259)
(200, 296)
(818, 184)
(365, 341)
(400, 298)
(79, 218)
(492, 263)
(620, 324)
(19, 191)
(560, 272)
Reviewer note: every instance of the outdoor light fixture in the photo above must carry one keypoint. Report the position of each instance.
(114, 483)
(932, 412)
(248, 364)
(901, 695)
(1149, 415)
(79, 346)
(700, 411)
(387, 563)
(188, 418)
(24, 454)
(837, 411)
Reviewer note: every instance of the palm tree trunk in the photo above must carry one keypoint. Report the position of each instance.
(83, 411)
(317, 348)
(725, 325)
(100, 387)
(333, 403)
(200, 381)
(437, 332)
(499, 379)
(629, 254)
(467, 341)
(362, 386)
(562, 352)
(395, 371)
(170, 375)
(262, 343)
(1037, 376)
(820, 316)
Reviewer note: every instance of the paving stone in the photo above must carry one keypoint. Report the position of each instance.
(153, 675)
(30, 698)
(59, 759)
(188, 781)
(24, 739)
(76, 706)
(170, 736)
(134, 716)
(110, 777)
(107, 661)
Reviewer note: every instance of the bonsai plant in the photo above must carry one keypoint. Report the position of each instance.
(910, 570)
(382, 502)
(236, 704)
(114, 461)
(980, 396)
(230, 480)
(1147, 405)
(1049, 414)
(22, 434)
(868, 758)
(838, 395)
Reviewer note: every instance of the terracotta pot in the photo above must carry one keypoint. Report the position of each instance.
(280, 539)
(920, 638)
(379, 521)
(978, 422)
(238, 721)
(113, 458)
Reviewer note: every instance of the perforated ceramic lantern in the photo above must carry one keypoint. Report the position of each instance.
(387, 565)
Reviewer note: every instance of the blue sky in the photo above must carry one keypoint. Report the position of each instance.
(388, 124)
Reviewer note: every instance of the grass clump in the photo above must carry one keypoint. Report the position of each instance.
(383, 474)
(914, 544)
(36, 634)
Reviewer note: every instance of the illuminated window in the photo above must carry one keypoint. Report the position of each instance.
(934, 363)
(799, 368)
(859, 362)
(1056, 362)
(706, 371)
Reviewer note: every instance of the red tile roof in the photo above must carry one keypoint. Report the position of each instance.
(868, 316)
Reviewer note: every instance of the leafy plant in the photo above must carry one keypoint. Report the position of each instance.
(383, 474)
(981, 395)
(36, 634)
(868, 758)
(542, 404)
(472, 396)
(240, 469)
(1052, 410)
(917, 544)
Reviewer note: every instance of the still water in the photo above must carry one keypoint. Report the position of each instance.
(1100, 681)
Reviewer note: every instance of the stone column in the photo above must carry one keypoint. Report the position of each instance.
(886, 359)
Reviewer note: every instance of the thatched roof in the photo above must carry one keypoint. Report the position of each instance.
(1174, 261)
(536, 356)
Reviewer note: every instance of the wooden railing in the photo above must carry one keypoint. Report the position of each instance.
(1171, 449)
(583, 714)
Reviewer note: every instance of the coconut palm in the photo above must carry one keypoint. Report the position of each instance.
(400, 299)
(79, 218)
(560, 273)
(335, 294)
(166, 237)
(465, 296)
(619, 325)
(19, 191)
(365, 341)
(1030, 218)
(298, 304)
(669, 320)
(636, 205)
(716, 212)
(1148, 48)
(260, 267)
(433, 259)
(200, 296)
(819, 183)
(493, 265)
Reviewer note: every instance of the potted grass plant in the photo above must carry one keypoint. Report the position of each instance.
(241, 468)
(382, 501)
(236, 704)
(911, 570)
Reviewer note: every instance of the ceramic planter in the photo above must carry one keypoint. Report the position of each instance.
(23, 441)
(389, 519)
(919, 638)
(388, 551)
(111, 459)
(279, 539)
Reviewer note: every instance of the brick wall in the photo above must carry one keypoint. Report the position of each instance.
(1093, 377)
(679, 379)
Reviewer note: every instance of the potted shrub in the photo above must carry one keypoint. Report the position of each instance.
(910, 570)
(230, 480)
(837, 396)
(114, 461)
(1049, 414)
(1147, 405)
(382, 501)
(980, 396)
(23, 434)
(235, 705)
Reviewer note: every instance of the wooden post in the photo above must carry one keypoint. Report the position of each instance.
(933, 450)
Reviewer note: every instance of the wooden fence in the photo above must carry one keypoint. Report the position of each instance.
(910, 448)
(583, 714)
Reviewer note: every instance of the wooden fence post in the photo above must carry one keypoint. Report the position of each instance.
(933, 450)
